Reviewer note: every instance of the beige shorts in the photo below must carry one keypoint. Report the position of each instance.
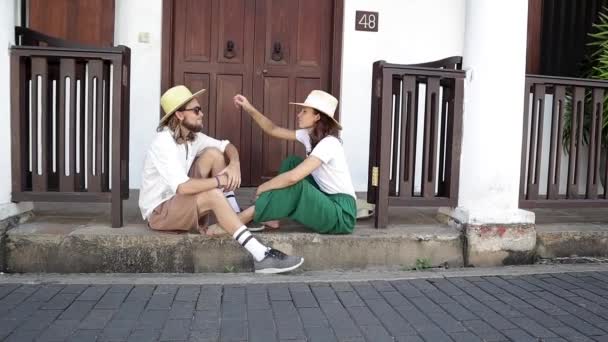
(180, 212)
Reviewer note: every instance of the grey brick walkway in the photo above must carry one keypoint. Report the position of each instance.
(545, 307)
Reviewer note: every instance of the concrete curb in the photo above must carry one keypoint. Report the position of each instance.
(138, 250)
(304, 277)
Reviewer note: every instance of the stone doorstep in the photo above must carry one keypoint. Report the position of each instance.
(69, 248)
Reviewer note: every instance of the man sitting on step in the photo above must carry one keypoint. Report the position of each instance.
(185, 176)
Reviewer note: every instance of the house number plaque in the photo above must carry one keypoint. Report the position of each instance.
(366, 21)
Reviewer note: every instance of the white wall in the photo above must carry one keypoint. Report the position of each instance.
(412, 31)
(492, 126)
(133, 17)
(9, 16)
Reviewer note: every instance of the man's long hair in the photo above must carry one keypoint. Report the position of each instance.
(175, 126)
(324, 127)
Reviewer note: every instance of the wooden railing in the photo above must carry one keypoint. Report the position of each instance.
(415, 135)
(564, 143)
(69, 122)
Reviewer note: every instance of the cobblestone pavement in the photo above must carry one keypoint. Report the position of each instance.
(537, 307)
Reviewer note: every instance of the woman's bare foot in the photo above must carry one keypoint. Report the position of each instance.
(275, 224)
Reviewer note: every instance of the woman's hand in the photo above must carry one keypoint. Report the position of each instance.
(241, 101)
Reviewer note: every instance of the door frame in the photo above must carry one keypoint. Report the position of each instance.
(336, 43)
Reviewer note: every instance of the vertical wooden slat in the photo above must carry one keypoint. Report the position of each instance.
(67, 70)
(455, 139)
(105, 174)
(430, 135)
(555, 155)
(120, 92)
(125, 122)
(524, 146)
(595, 143)
(19, 128)
(95, 117)
(445, 103)
(374, 130)
(576, 141)
(536, 136)
(39, 165)
(381, 219)
(81, 127)
(396, 120)
(408, 136)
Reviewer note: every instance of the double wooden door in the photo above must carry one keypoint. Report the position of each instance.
(272, 51)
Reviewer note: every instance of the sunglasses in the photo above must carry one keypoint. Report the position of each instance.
(197, 110)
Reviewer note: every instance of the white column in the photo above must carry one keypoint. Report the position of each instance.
(8, 19)
(495, 58)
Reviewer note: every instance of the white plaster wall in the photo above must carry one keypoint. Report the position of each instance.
(411, 31)
(492, 125)
(9, 14)
(133, 17)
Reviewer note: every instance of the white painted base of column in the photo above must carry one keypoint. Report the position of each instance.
(8, 210)
(478, 217)
(494, 238)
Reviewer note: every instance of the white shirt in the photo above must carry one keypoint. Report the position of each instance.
(333, 176)
(166, 167)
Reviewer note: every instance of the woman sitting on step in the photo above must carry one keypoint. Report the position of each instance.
(317, 191)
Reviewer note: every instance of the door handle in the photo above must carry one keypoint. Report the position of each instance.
(229, 51)
(277, 52)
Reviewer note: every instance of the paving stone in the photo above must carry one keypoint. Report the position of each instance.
(465, 337)
(319, 334)
(519, 335)
(60, 301)
(6, 289)
(59, 330)
(376, 333)
(312, 317)
(532, 327)
(93, 293)
(140, 293)
(118, 329)
(84, 336)
(176, 329)
(287, 320)
(279, 292)
(96, 319)
(342, 286)
(483, 330)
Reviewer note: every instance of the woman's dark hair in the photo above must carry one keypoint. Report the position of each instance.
(325, 126)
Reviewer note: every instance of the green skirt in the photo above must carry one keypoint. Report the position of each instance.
(305, 203)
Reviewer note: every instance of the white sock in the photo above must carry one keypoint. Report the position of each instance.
(232, 200)
(244, 237)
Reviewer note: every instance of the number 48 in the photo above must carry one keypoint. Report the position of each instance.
(368, 21)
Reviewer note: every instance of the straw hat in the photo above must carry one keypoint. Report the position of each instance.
(323, 102)
(174, 98)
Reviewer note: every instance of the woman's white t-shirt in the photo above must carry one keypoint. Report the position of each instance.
(333, 176)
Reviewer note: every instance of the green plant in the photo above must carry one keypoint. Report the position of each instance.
(422, 264)
(594, 67)
(229, 269)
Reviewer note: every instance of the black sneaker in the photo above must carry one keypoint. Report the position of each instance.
(276, 261)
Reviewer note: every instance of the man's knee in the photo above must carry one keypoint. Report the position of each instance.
(208, 198)
(210, 153)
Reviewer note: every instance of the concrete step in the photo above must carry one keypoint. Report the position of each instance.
(572, 239)
(66, 247)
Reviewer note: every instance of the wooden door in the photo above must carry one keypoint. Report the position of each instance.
(272, 51)
(292, 57)
(214, 50)
(89, 22)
